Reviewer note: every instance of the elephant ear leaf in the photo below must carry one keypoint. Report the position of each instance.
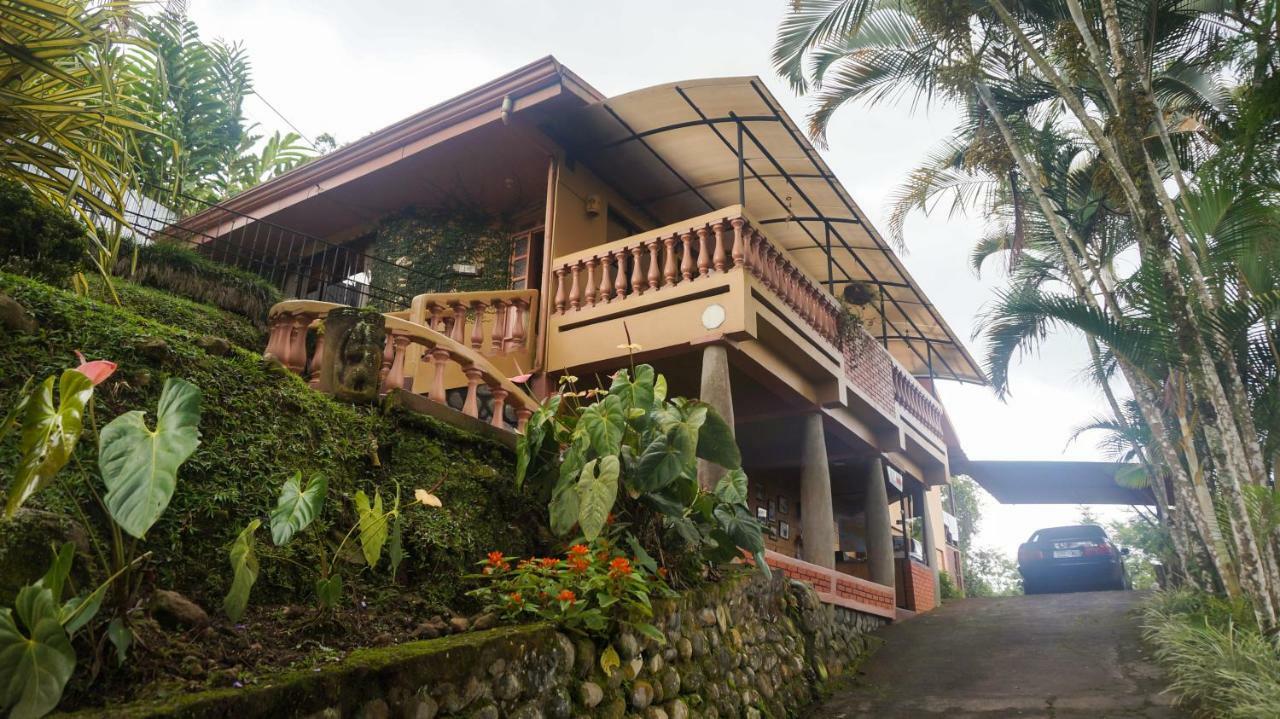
(36, 658)
(244, 565)
(732, 488)
(49, 435)
(597, 491)
(139, 465)
(716, 442)
(373, 526)
(297, 507)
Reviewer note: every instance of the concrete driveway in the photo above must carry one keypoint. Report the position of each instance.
(1050, 655)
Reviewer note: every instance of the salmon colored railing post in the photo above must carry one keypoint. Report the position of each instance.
(606, 284)
(499, 404)
(471, 406)
(591, 281)
(561, 296)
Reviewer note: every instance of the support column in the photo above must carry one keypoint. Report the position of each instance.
(817, 518)
(930, 542)
(879, 526)
(715, 391)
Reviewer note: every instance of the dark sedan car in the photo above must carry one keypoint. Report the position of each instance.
(1071, 558)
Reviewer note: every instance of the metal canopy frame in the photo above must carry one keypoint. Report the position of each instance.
(733, 131)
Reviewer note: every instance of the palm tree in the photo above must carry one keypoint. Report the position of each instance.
(1028, 60)
(65, 134)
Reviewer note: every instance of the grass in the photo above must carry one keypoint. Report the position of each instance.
(1219, 663)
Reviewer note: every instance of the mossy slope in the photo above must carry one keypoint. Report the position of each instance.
(260, 424)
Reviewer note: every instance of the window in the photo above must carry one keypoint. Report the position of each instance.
(526, 253)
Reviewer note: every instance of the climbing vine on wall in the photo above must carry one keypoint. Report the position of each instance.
(421, 246)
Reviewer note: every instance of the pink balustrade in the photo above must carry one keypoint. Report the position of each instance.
(917, 402)
(650, 264)
(491, 323)
(291, 323)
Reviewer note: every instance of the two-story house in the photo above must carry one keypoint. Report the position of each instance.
(691, 223)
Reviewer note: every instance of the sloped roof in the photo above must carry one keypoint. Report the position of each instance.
(673, 149)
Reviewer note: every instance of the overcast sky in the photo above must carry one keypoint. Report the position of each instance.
(349, 68)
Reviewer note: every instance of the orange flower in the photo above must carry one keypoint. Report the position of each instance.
(495, 558)
(579, 550)
(620, 566)
(578, 564)
(516, 598)
(497, 561)
(662, 572)
(548, 562)
(567, 596)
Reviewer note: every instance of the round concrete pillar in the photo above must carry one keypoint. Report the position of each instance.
(817, 518)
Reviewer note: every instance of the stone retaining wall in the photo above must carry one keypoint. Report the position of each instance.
(747, 647)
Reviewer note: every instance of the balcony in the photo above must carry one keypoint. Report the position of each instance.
(719, 274)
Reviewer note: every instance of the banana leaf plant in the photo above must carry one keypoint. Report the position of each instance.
(635, 450)
(139, 469)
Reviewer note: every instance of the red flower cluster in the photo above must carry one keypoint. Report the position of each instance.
(619, 567)
(579, 558)
(567, 595)
(497, 562)
(515, 598)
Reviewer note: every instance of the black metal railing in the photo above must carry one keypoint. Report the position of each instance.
(301, 265)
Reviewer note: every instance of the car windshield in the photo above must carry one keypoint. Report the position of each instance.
(1084, 531)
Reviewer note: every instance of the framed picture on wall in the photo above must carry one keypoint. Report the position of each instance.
(784, 505)
(762, 514)
(760, 492)
(784, 530)
(773, 508)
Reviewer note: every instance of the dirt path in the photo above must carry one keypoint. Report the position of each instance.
(1054, 655)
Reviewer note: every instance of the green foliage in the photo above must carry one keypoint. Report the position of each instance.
(178, 312)
(37, 238)
(140, 466)
(274, 425)
(948, 587)
(244, 568)
(373, 527)
(419, 246)
(964, 496)
(1148, 543)
(195, 90)
(634, 453)
(182, 271)
(36, 656)
(1218, 661)
(594, 589)
(989, 573)
(297, 507)
(49, 434)
(67, 132)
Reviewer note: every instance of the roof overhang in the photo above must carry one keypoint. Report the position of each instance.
(1015, 482)
(674, 151)
(520, 90)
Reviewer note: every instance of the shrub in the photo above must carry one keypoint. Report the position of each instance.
(37, 239)
(185, 272)
(948, 587)
(592, 590)
(1219, 663)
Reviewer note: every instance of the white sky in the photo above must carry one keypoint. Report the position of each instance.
(349, 68)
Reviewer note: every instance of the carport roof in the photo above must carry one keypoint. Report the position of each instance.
(1055, 482)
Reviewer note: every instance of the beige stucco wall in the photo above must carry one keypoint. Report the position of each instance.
(575, 230)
